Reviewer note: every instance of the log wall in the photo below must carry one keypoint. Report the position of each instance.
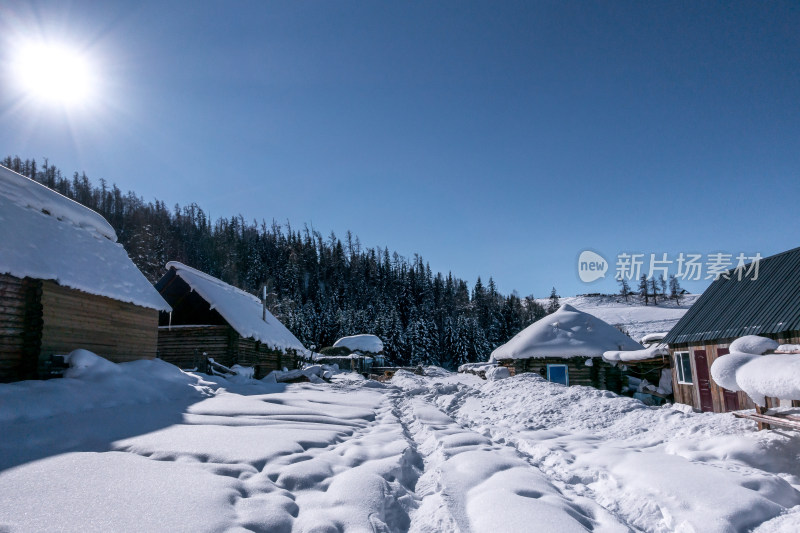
(600, 375)
(20, 327)
(184, 347)
(262, 358)
(116, 330)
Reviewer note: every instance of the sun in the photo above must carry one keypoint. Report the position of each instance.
(53, 73)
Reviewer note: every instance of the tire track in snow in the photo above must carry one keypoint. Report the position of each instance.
(552, 462)
(448, 492)
(431, 513)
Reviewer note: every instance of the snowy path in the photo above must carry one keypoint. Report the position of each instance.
(467, 477)
(152, 449)
(652, 469)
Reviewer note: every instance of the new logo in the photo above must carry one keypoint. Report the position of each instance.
(591, 266)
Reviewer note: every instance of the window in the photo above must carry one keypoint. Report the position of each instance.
(683, 364)
(558, 374)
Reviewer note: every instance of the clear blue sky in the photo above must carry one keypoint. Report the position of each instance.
(496, 138)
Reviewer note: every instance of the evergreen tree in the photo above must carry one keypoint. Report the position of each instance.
(643, 289)
(554, 304)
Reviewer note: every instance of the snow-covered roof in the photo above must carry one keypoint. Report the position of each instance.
(364, 343)
(242, 310)
(651, 352)
(44, 235)
(651, 338)
(565, 333)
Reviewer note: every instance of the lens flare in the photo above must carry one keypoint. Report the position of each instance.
(53, 73)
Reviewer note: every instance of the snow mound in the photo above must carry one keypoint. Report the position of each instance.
(497, 372)
(565, 333)
(363, 343)
(774, 376)
(759, 376)
(242, 310)
(47, 236)
(92, 382)
(85, 364)
(753, 344)
(723, 369)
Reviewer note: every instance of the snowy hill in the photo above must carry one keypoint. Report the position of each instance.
(633, 316)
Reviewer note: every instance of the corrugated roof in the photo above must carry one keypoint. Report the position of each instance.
(733, 308)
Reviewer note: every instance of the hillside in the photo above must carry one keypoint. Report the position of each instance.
(633, 316)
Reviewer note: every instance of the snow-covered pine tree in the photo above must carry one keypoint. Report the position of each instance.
(554, 303)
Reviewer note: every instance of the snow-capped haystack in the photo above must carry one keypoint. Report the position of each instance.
(759, 376)
(723, 369)
(362, 343)
(774, 376)
(753, 344)
(242, 310)
(563, 334)
(47, 236)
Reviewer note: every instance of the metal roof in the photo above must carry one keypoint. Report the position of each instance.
(731, 307)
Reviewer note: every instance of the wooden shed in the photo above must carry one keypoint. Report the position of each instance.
(567, 347)
(211, 318)
(763, 300)
(650, 368)
(65, 283)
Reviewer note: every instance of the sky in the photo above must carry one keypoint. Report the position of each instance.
(492, 138)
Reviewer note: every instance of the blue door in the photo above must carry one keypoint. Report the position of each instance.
(558, 374)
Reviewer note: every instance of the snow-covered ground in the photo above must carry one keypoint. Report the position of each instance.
(143, 446)
(635, 317)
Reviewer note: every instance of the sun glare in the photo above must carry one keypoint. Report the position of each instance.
(53, 74)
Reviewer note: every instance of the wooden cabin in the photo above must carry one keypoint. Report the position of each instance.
(567, 347)
(764, 302)
(212, 319)
(65, 283)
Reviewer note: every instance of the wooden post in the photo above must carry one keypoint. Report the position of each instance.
(762, 410)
